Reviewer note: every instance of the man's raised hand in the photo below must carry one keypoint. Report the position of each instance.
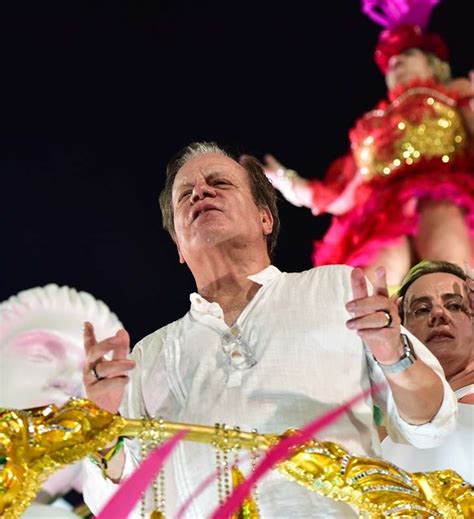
(105, 379)
(376, 318)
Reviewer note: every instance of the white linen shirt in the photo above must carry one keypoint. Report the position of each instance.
(308, 362)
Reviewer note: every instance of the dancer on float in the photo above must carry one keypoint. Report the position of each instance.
(406, 190)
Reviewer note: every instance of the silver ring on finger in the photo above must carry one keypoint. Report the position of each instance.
(96, 375)
(389, 319)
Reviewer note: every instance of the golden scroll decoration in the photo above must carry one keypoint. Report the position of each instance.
(36, 443)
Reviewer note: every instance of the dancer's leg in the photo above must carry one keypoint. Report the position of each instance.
(443, 233)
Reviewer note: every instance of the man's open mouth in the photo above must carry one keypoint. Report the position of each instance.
(203, 209)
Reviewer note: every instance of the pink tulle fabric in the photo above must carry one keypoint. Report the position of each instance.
(392, 211)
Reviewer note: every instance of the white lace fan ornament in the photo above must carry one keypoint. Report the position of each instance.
(59, 309)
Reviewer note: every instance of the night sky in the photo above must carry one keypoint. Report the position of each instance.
(98, 95)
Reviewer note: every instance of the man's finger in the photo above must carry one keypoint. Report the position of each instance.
(111, 384)
(89, 336)
(110, 368)
(359, 284)
(122, 349)
(369, 305)
(376, 320)
(272, 162)
(380, 285)
(101, 348)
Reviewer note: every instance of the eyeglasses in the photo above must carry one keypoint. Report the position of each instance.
(239, 354)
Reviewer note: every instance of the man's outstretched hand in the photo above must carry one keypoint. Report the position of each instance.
(104, 379)
(376, 318)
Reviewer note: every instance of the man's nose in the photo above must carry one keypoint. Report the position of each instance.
(202, 190)
(439, 315)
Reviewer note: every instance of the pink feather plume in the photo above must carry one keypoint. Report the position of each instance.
(392, 13)
(130, 491)
(282, 450)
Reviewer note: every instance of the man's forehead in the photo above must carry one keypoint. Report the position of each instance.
(436, 285)
(206, 164)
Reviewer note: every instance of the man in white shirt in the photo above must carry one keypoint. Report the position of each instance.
(260, 348)
(434, 305)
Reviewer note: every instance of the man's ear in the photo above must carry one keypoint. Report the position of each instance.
(181, 258)
(267, 220)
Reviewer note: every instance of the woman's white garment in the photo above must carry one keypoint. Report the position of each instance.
(456, 452)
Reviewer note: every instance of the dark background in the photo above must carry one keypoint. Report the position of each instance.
(98, 95)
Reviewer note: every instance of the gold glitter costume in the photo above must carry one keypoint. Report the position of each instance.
(422, 122)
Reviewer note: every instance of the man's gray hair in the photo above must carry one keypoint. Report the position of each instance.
(198, 148)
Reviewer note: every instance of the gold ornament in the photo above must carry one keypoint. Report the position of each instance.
(249, 508)
(36, 443)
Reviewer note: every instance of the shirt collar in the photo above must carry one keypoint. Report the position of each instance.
(265, 275)
(201, 305)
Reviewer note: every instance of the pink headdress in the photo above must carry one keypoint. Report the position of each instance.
(404, 23)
